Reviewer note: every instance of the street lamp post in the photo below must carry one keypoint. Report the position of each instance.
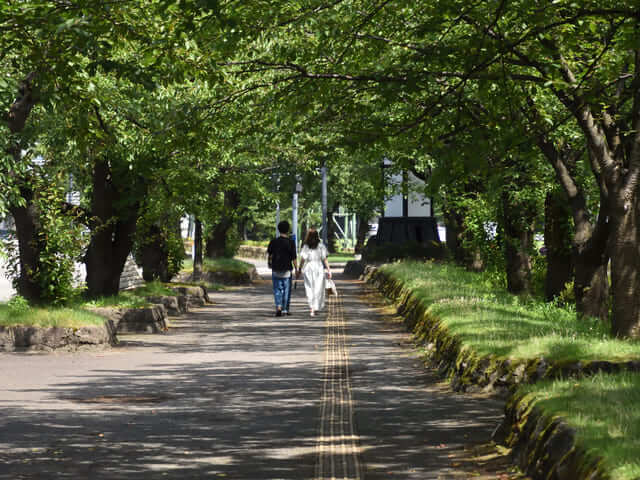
(276, 188)
(324, 204)
(294, 214)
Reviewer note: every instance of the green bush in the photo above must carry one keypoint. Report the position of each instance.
(18, 305)
(60, 243)
(233, 243)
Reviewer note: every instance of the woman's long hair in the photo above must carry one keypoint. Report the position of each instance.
(312, 239)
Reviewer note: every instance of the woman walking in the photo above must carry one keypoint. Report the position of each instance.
(312, 264)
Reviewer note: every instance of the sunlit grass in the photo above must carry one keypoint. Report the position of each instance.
(48, 317)
(226, 265)
(341, 257)
(220, 265)
(134, 298)
(605, 410)
(255, 243)
(210, 286)
(494, 321)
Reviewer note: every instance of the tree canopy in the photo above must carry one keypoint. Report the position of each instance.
(509, 110)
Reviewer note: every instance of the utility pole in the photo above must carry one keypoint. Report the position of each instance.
(294, 214)
(325, 224)
(197, 251)
(276, 181)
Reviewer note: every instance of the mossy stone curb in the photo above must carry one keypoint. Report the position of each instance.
(151, 319)
(191, 296)
(466, 370)
(171, 303)
(544, 447)
(22, 337)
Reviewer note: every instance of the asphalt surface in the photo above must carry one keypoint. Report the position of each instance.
(233, 392)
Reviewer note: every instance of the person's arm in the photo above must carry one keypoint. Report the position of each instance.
(326, 264)
(294, 255)
(325, 260)
(270, 253)
(299, 269)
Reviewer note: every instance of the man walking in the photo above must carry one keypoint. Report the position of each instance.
(282, 260)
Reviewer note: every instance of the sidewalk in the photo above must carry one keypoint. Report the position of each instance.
(233, 392)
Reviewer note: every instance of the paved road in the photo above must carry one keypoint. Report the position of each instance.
(233, 392)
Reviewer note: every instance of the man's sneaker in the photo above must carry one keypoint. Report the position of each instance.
(287, 313)
(278, 313)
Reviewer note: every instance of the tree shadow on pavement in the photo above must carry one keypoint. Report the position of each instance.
(411, 424)
(231, 419)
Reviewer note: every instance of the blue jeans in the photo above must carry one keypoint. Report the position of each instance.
(288, 297)
(281, 292)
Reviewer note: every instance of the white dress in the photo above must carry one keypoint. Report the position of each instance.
(314, 276)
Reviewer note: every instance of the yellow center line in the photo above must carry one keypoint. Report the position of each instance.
(338, 451)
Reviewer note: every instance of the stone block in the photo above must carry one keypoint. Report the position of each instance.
(22, 337)
(170, 303)
(143, 320)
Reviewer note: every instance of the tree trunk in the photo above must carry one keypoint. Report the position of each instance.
(216, 245)
(21, 108)
(25, 216)
(517, 223)
(591, 284)
(154, 256)
(590, 261)
(361, 234)
(558, 236)
(589, 253)
(106, 256)
(112, 235)
(625, 270)
(29, 246)
(454, 224)
(217, 240)
(456, 234)
(197, 250)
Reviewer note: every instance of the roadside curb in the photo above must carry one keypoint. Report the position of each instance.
(544, 447)
(20, 337)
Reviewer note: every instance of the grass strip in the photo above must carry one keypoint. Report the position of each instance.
(210, 286)
(255, 243)
(341, 257)
(134, 298)
(220, 265)
(605, 411)
(492, 321)
(48, 317)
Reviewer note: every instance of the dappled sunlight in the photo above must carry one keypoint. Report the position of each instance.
(605, 409)
(231, 391)
(491, 321)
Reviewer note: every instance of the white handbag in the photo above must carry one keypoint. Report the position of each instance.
(330, 286)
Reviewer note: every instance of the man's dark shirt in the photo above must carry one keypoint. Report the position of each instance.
(282, 252)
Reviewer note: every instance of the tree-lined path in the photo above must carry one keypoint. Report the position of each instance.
(233, 392)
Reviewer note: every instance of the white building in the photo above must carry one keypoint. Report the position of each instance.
(408, 213)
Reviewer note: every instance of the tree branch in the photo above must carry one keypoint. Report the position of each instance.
(633, 176)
